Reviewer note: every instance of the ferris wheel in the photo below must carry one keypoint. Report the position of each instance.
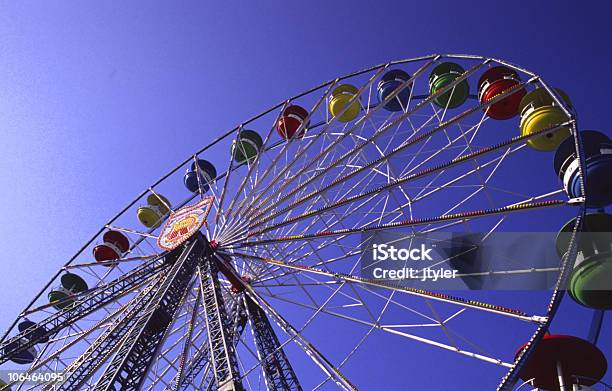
(242, 267)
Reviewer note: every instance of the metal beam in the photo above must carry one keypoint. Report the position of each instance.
(131, 363)
(220, 343)
(201, 361)
(277, 370)
(86, 304)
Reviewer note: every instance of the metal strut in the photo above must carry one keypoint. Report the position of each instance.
(278, 373)
(131, 363)
(91, 302)
(221, 346)
(100, 350)
(201, 361)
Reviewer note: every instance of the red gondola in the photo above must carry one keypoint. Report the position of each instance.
(293, 117)
(115, 244)
(496, 81)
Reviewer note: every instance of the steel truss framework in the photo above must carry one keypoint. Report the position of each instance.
(135, 338)
(239, 306)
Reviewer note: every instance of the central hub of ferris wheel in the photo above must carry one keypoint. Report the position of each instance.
(185, 223)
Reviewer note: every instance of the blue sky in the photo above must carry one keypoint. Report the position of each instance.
(97, 102)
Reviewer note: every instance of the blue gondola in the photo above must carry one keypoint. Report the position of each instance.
(389, 83)
(23, 357)
(38, 332)
(597, 148)
(207, 174)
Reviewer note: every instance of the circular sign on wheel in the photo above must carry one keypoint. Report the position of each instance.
(183, 223)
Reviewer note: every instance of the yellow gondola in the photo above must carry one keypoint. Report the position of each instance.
(151, 215)
(340, 98)
(540, 111)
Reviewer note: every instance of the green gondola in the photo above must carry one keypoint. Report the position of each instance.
(247, 145)
(443, 75)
